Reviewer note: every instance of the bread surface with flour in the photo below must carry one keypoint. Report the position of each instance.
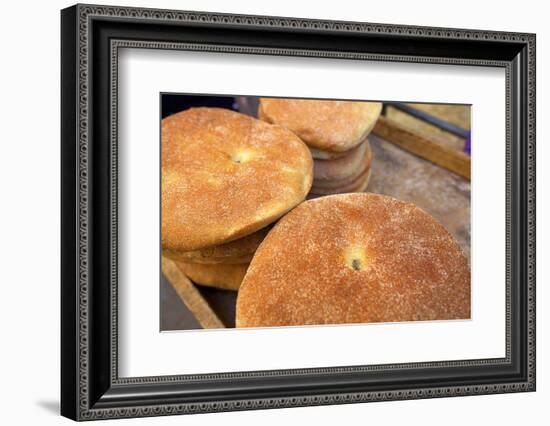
(226, 175)
(355, 258)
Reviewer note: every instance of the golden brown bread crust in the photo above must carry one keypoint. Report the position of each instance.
(333, 126)
(318, 154)
(226, 175)
(342, 170)
(236, 251)
(181, 256)
(359, 184)
(355, 258)
(227, 277)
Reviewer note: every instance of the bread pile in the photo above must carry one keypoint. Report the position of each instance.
(233, 217)
(355, 258)
(335, 132)
(225, 178)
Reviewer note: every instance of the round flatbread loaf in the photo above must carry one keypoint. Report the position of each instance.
(226, 175)
(236, 251)
(355, 258)
(344, 169)
(227, 277)
(333, 126)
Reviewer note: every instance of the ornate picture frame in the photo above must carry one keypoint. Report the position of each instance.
(91, 37)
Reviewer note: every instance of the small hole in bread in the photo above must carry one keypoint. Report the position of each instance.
(355, 257)
(241, 156)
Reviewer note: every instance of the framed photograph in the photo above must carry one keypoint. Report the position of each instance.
(263, 212)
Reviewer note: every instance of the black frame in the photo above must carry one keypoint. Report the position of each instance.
(90, 38)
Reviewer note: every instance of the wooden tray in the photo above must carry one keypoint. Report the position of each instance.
(406, 165)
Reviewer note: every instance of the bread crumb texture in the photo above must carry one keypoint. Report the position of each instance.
(226, 175)
(355, 258)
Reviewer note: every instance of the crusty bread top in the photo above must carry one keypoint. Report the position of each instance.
(332, 126)
(226, 175)
(355, 258)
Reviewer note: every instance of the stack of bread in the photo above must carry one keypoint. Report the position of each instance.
(336, 134)
(225, 178)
